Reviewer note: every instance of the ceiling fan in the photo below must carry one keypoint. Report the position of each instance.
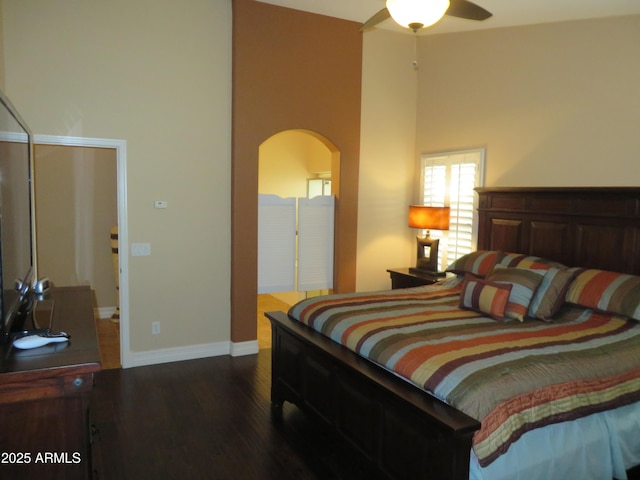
(417, 14)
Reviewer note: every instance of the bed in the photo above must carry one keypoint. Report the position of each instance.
(428, 414)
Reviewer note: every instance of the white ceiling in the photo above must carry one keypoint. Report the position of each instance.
(505, 12)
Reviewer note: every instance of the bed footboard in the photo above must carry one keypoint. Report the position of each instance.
(405, 432)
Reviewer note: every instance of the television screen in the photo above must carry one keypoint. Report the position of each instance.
(16, 255)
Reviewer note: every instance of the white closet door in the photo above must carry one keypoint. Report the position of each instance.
(276, 243)
(315, 243)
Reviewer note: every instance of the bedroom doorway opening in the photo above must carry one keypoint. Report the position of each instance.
(87, 176)
(299, 164)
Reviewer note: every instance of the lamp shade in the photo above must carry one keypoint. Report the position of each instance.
(429, 218)
(417, 14)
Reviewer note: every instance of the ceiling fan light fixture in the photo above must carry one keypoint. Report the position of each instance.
(416, 14)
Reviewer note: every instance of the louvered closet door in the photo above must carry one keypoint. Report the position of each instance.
(315, 243)
(276, 243)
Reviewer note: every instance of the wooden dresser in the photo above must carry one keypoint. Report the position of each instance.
(45, 393)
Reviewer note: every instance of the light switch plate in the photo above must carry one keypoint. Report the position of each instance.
(140, 249)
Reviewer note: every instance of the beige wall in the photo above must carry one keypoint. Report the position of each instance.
(287, 160)
(1, 50)
(554, 104)
(158, 75)
(389, 96)
(76, 207)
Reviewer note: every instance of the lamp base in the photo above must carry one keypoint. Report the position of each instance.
(427, 253)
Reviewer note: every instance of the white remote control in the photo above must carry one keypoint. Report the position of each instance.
(34, 341)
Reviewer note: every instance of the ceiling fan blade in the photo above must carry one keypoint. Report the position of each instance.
(379, 17)
(468, 10)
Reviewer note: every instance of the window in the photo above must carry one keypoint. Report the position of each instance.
(449, 179)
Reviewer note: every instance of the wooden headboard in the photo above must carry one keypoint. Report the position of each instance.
(595, 227)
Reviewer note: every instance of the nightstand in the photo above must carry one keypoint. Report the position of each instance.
(407, 278)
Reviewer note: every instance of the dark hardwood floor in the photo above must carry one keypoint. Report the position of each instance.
(210, 419)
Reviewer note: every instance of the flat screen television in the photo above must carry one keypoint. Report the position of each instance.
(17, 232)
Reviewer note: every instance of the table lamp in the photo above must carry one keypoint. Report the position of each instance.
(428, 218)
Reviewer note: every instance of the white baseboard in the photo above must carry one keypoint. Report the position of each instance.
(244, 348)
(104, 312)
(166, 355)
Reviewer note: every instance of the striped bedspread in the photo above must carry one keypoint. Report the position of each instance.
(511, 376)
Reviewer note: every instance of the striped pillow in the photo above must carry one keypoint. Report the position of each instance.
(524, 282)
(551, 293)
(485, 297)
(606, 291)
(478, 263)
(519, 260)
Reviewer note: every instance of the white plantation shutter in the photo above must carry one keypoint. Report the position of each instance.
(449, 179)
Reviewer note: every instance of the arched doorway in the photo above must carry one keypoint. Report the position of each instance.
(293, 163)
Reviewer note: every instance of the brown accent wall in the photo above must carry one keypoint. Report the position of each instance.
(291, 70)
